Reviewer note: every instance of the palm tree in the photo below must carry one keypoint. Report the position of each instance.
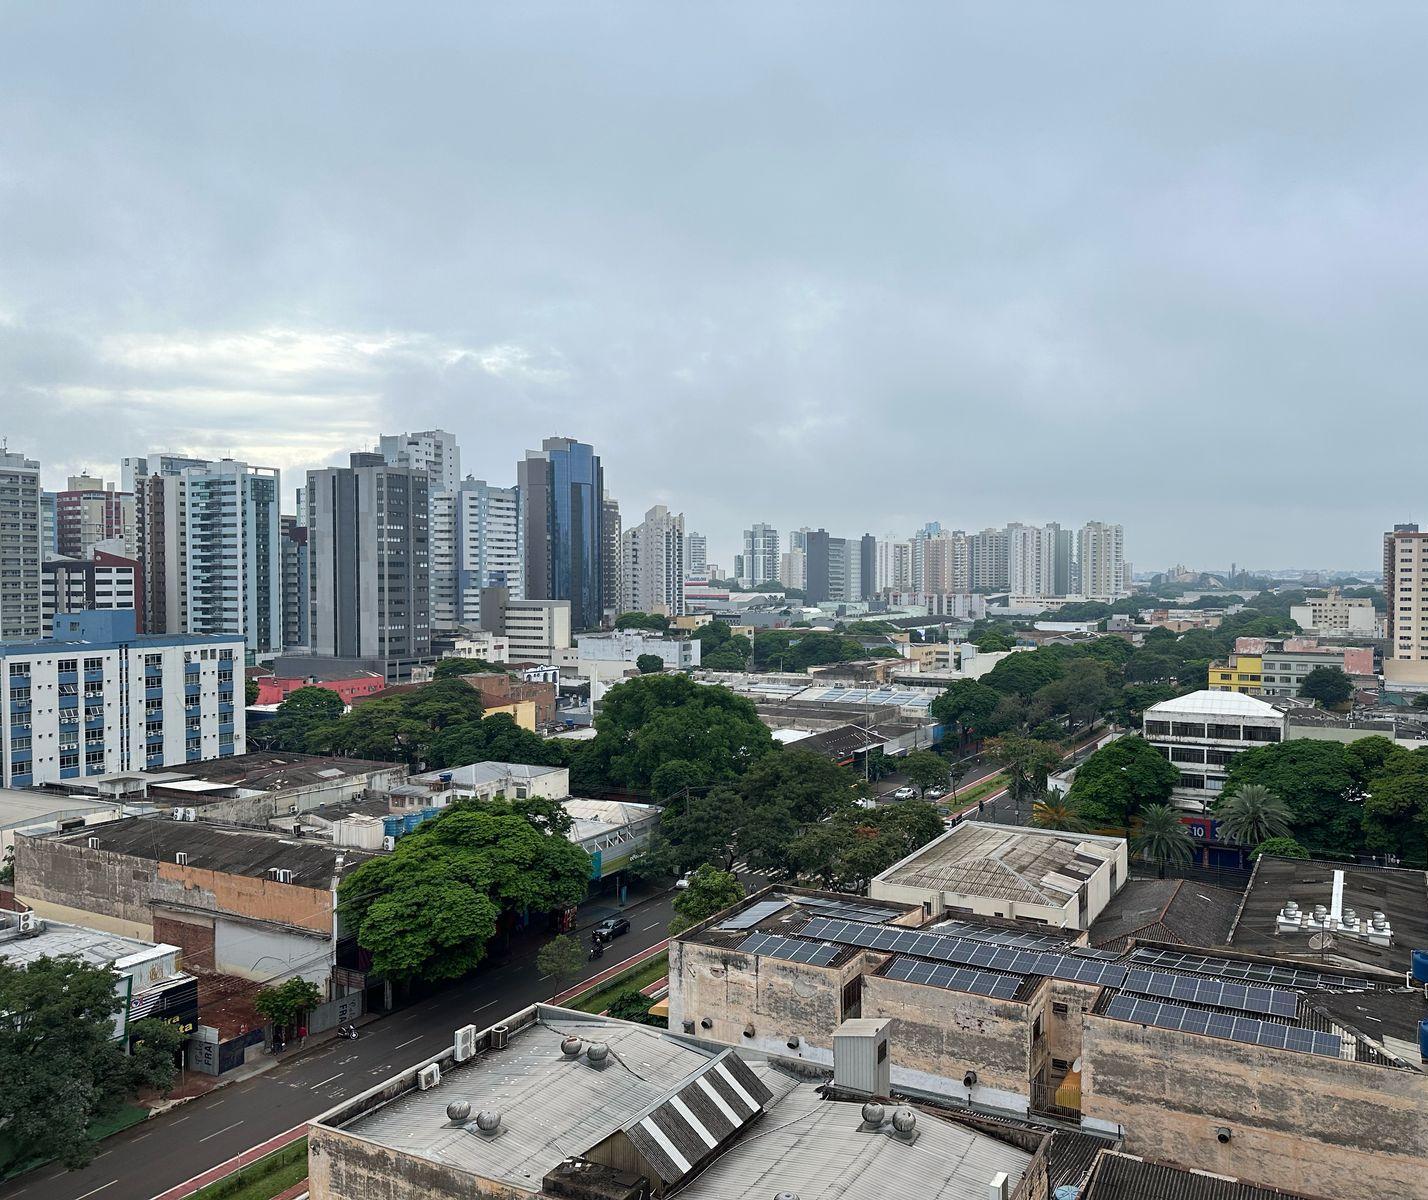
(1056, 812)
(1161, 837)
(1253, 815)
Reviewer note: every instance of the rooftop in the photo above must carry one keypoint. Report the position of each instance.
(481, 774)
(260, 771)
(594, 818)
(50, 939)
(787, 910)
(1118, 1176)
(21, 805)
(219, 848)
(720, 1124)
(1401, 895)
(1004, 862)
(1166, 910)
(1215, 704)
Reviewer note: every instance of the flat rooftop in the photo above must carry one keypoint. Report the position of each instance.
(51, 939)
(260, 771)
(19, 805)
(787, 910)
(717, 1123)
(246, 852)
(1400, 894)
(1004, 862)
(482, 773)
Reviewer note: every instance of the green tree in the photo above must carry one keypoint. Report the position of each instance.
(454, 668)
(1280, 847)
(784, 792)
(1057, 812)
(496, 738)
(1120, 778)
(732, 654)
(647, 720)
(994, 641)
(656, 622)
(61, 1064)
(1395, 815)
(698, 827)
(1082, 694)
(427, 910)
(1420, 700)
(924, 770)
(965, 706)
(1027, 761)
(1319, 781)
(250, 691)
(403, 727)
(849, 848)
(1252, 814)
(305, 710)
(710, 891)
(1025, 673)
(634, 1005)
(1328, 685)
(283, 1004)
(713, 635)
(649, 664)
(676, 775)
(1159, 836)
(562, 958)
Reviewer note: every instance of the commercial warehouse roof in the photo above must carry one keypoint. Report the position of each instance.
(1118, 1176)
(260, 771)
(1167, 910)
(1215, 704)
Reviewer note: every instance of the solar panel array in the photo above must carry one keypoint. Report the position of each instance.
(849, 911)
(774, 945)
(1002, 937)
(1303, 978)
(755, 913)
(954, 979)
(967, 952)
(1236, 1029)
(1217, 993)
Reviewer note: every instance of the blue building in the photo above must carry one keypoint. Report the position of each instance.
(562, 525)
(97, 698)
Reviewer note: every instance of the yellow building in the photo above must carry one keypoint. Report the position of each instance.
(692, 621)
(1242, 674)
(523, 712)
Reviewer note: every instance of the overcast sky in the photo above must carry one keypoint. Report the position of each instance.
(859, 266)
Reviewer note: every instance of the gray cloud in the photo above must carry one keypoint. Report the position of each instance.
(851, 265)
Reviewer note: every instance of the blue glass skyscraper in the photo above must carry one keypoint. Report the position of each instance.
(562, 517)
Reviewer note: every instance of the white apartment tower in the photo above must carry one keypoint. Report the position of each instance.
(1101, 554)
(475, 544)
(20, 614)
(433, 451)
(1031, 559)
(1405, 590)
(761, 555)
(895, 566)
(652, 564)
(209, 539)
(696, 556)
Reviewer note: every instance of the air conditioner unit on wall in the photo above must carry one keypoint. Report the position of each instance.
(429, 1076)
(465, 1044)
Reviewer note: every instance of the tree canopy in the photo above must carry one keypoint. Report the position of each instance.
(710, 890)
(61, 1064)
(966, 706)
(1119, 780)
(845, 851)
(649, 664)
(450, 668)
(657, 622)
(925, 769)
(1318, 781)
(427, 910)
(1330, 686)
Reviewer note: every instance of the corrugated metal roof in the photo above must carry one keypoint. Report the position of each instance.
(814, 1147)
(1123, 1177)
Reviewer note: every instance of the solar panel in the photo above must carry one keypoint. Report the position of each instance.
(1002, 937)
(1302, 978)
(955, 979)
(1125, 1007)
(1217, 993)
(755, 913)
(968, 952)
(848, 912)
(774, 945)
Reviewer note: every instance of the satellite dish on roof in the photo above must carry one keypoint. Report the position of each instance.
(1321, 941)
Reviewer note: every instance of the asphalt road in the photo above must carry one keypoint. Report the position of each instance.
(167, 1150)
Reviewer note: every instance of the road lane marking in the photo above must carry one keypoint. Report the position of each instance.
(651, 925)
(315, 1086)
(486, 1005)
(141, 1137)
(100, 1188)
(181, 1120)
(409, 1041)
(214, 1134)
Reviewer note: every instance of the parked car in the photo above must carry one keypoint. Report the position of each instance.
(905, 793)
(934, 793)
(683, 881)
(611, 928)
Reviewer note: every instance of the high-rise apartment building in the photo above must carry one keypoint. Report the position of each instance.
(1101, 560)
(208, 539)
(696, 556)
(610, 574)
(652, 564)
(90, 510)
(432, 451)
(49, 524)
(867, 583)
(1405, 593)
(536, 630)
(988, 562)
(761, 555)
(818, 583)
(133, 470)
(104, 580)
(20, 539)
(946, 564)
(369, 568)
(793, 569)
(1031, 559)
(478, 546)
(563, 511)
(798, 539)
(96, 698)
(834, 568)
(293, 537)
(894, 568)
(1064, 578)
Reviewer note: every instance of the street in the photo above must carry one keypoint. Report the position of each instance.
(168, 1149)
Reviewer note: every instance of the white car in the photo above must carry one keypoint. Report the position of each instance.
(683, 881)
(934, 793)
(905, 793)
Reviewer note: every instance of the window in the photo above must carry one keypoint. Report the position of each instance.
(69, 664)
(1058, 1009)
(1157, 728)
(1190, 729)
(94, 664)
(69, 760)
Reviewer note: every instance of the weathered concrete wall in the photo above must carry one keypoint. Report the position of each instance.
(91, 885)
(191, 933)
(942, 1035)
(260, 808)
(343, 1167)
(1301, 1122)
(262, 952)
(1063, 1030)
(262, 899)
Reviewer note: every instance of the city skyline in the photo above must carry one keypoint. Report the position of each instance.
(1019, 267)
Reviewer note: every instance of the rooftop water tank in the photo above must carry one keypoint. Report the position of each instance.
(1420, 966)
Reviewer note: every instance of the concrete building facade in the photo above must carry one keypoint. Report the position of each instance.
(761, 555)
(20, 547)
(652, 564)
(1201, 733)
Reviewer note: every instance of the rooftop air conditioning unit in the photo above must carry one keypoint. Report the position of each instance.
(465, 1046)
(389, 842)
(28, 922)
(429, 1076)
(181, 857)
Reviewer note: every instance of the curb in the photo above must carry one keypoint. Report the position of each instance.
(597, 981)
(236, 1163)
